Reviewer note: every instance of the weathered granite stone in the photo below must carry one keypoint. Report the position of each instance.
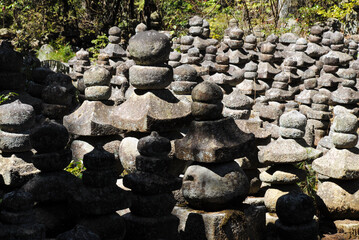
(16, 117)
(338, 164)
(97, 76)
(214, 186)
(149, 48)
(150, 77)
(340, 198)
(282, 174)
(91, 119)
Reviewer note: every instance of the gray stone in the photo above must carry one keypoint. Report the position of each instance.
(16, 116)
(98, 93)
(291, 133)
(150, 77)
(214, 186)
(282, 174)
(97, 76)
(283, 151)
(340, 198)
(344, 140)
(185, 73)
(293, 119)
(338, 164)
(345, 123)
(149, 48)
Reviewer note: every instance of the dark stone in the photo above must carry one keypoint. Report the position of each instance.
(152, 205)
(295, 208)
(53, 161)
(78, 233)
(50, 137)
(17, 201)
(149, 183)
(154, 145)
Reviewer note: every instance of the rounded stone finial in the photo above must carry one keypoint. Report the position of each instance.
(114, 31)
(49, 137)
(154, 145)
(97, 76)
(141, 28)
(295, 208)
(16, 116)
(196, 21)
(207, 92)
(207, 103)
(82, 54)
(293, 119)
(149, 48)
(236, 33)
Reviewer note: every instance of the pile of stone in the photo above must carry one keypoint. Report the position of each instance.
(100, 197)
(80, 66)
(282, 154)
(296, 211)
(152, 187)
(93, 123)
(185, 79)
(53, 187)
(215, 182)
(266, 69)
(18, 219)
(338, 175)
(59, 96)
(151, 107)
(16, 168)
(318, 119)
(114, 51)
(251, 86)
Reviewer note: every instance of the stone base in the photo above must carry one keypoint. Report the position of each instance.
(156, 110)
(22, 232)
(349, 227)
(16, 170)
(139, 228)
(221, 225)
(308, 231)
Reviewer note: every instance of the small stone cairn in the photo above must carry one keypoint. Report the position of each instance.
(151, 107)
(318, 118)
(52, 187)
(338, 175)
(93, 123)
(266, 69)
(18, 219)
(16, 168)
(100, 197)
(152, 187)
(215, 181)
(81, 65)
(296, 211)
(58, 96)
(282, 154)
(114, 51)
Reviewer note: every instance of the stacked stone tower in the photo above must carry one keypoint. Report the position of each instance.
(151, 106)
(215, 181)
(282, 154)
(114, 51)
(52, 188)
(100, 197)
(18, 218)
(152, 187)
(338, 174)
(16, 119)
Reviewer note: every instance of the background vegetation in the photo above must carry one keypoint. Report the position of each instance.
(78, 23)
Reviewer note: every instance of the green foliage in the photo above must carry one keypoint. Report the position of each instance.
(309, 185)
(5, 97)
(62, 51)
(76, 168)
(100, 42)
